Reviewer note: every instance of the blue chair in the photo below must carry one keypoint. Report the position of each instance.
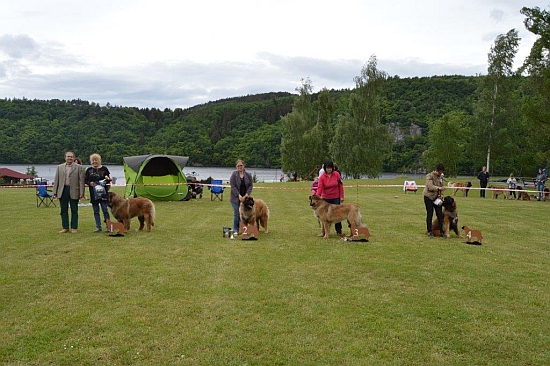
(216, 190)
(43, 196)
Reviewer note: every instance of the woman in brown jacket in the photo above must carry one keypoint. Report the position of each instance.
(432, 192)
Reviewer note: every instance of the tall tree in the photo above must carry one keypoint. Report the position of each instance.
(322, 132)
(295, 148)
(446, 138)
(496, 106)
(537, 65)
(360, 139)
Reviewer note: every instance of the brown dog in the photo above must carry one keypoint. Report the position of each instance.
(472, 233)
(254, 212)
(125, 209)
(522, 195)
(450, 218)
(499, 191)
(464, 187)
(329, 213)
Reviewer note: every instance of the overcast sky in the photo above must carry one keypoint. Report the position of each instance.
(180, 53)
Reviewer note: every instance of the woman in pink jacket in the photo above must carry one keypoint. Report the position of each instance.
(331, 189)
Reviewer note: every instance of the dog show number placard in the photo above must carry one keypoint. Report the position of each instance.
(358, 231)
(472, 233)
(115, 228)
(249, 231)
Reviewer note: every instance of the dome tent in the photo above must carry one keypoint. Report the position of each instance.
(157, 177)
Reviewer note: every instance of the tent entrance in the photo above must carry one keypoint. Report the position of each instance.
(160, 187)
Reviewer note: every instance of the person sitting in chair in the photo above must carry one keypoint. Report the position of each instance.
(195, 188)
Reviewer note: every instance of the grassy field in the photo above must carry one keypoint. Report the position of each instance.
(184, 295)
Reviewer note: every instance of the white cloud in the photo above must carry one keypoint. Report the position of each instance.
(179, 54)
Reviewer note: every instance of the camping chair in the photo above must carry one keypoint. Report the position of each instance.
(43, 197)
(216, 190)
(410, 185)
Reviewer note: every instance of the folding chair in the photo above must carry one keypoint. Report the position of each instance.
(410, 185)
(216, 190)
(43, 197)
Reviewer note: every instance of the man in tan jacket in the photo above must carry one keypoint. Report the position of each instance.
(68, 187)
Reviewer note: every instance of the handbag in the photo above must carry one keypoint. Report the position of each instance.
(99, 192)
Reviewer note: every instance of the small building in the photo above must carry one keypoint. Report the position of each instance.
(12, 177)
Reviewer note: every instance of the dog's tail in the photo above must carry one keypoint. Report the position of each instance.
(153, 213)
(360, 222)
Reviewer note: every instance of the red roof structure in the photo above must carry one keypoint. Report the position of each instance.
(11, 176)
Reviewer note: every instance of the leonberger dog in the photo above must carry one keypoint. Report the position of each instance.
(254, 212)
(522, 194)
(499, 191)
(464, 187)
(329, 213)
(125, 209)
(450, 218)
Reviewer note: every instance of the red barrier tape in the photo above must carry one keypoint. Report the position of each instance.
(284, 188)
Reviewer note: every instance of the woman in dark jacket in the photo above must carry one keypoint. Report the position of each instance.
(483, 177)
(241, 187)
(97, 178)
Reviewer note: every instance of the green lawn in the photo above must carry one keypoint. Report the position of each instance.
(184, 295)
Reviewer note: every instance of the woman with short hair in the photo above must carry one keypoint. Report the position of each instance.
(97, 178)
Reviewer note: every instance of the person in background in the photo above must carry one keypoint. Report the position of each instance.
(539, 182)
(483, 177)
(314, 185)
(79, 162)
(512, 184)
(433, 190)
(241, 186)
(195, 188)
(322, 170)
(68, 187)
(331, 189)
(97, 178)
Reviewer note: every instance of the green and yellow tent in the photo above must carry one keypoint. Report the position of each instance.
(157, 177)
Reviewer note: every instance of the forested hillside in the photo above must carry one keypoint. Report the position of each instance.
(216, 133)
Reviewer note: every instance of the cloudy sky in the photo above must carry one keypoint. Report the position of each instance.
(180, 53)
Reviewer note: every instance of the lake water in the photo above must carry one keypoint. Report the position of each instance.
(47, 171)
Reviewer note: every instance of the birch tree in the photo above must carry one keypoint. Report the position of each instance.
(497, 108)
(360, 139)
